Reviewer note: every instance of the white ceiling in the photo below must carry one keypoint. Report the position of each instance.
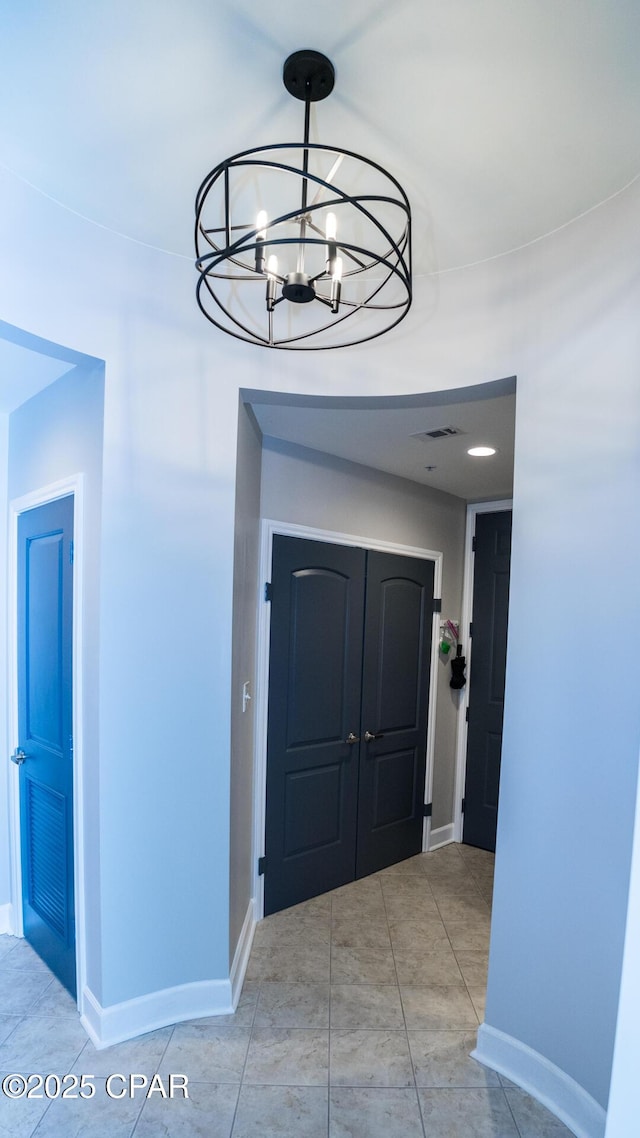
(503, 119)
(387, 437)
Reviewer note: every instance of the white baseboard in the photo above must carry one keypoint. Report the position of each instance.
(443, 836)
(539, 1077)
(119, 1022)
(115, 1024)
(242, 953)
(6, 919)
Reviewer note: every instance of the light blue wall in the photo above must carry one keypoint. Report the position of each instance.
(572, 714)
(57, 433)
(5, 867)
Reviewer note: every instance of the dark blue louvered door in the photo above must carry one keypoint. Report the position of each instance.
(45, 747)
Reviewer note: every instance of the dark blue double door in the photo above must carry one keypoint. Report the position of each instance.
(45, 745)
(350, 655)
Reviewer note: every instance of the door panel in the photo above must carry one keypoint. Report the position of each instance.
(487, 676)
(315, 666)
(395, 693)
(45, 604)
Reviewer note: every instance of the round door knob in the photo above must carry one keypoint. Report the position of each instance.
(351, 738)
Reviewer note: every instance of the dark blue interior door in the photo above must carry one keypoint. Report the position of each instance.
(487, 676)
(395, 695)
(45, 748)
(315, 666)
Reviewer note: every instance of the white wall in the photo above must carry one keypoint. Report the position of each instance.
(563, 317)
(315, 489)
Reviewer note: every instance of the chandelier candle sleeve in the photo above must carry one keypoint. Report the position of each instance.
(321, 290)
(272, 269)
(336, 284)
(261, 236)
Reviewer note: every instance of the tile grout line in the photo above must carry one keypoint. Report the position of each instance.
(159, 1063)
(246, 1058)
(510, 1109)
(404, 1019)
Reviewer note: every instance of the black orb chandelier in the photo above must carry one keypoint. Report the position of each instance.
(287, 255)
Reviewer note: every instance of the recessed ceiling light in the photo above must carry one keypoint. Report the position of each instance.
(481, 452)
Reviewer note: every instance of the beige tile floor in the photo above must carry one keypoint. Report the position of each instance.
(356, 1020)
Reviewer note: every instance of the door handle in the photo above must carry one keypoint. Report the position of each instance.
(369, 736)
(351, 738)
(18, 756)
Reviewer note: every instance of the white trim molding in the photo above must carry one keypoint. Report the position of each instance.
(465, 620)
(120, 1022)
(73, 486)
(443, 836)
(551, 1086)
(242, 953)
(269, 528)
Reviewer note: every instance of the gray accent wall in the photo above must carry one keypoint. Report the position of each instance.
(245, 596)
(308, 487)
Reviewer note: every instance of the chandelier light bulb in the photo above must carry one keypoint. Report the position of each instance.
(272, 265)
(337, 269)
(331, 227)
(261, 224)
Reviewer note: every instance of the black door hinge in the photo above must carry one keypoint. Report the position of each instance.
(466, 715)
(262, 866)
(267, 591)
(471, 629)
(463, 802)
(427, 809)
(473, 544)
(437, 604)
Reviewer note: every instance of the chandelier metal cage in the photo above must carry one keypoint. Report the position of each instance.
(287, 256)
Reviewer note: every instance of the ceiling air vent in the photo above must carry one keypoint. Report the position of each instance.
(438, 433)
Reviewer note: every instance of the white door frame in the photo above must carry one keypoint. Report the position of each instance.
(269, 529)
(71, 486)
(465, 620)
